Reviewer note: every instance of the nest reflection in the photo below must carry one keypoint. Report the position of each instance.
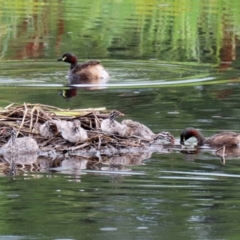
(11, 163)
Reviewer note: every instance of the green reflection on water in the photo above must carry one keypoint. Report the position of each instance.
(204, 31)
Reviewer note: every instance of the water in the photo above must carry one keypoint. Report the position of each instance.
(172, 65)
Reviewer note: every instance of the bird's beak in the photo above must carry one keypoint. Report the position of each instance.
(121, 114)
(182, 141)
(61, 59)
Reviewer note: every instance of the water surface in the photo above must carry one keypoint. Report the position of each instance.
(172, 65)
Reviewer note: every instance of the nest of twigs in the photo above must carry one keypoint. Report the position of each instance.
(99, 148)
(26, 119)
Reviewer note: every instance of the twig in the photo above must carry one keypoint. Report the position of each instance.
(8, 106)
(79, 146)
(99, 142)
(23, 119)
(47, 106)
(31, 119)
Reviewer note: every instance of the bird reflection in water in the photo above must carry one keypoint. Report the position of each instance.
(72, 91)
(68, 93)
(75, 165)
(228, 152)
(224, 153)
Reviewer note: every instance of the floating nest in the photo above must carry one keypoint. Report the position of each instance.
(26, 120)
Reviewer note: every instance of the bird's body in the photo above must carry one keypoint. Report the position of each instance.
(227, 139)
(22, 150)
(164, 138)
(72, 131)
(21, 145)
(49, 129)
(88, 72)
(136, 129)
(133, 128)
(110, 125)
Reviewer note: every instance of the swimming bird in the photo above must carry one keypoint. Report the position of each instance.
(133, 128)
(222, 139)
(110, 125)
(88, 72)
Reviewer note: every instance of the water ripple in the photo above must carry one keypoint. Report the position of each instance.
(205, 174)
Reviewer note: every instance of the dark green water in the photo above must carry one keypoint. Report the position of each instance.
(172, 65)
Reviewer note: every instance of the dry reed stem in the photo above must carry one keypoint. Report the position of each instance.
(79, 146)
(23, 119)
(10, 105)
(31, 119)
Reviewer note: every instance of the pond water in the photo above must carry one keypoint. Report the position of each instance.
(173, 64)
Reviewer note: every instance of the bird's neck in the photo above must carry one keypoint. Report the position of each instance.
(73, 61)
(112, 120)
(200, 138)
(73, 65)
